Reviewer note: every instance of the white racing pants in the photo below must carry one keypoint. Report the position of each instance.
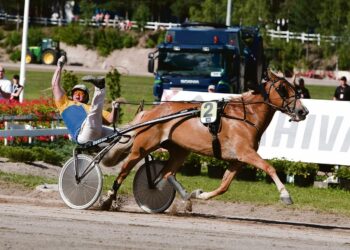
(92, 128)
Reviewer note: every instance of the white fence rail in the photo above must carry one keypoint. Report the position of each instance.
(13, 128)
(303, 37)
(123, 25)
(115, 23)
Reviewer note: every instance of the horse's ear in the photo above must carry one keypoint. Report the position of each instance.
(253, 86)
(271, 75)
(294, 80)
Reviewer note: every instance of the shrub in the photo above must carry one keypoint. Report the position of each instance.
(302, 169)
(13, 39)
(72, 34)
(16, 55)
(343, 172)
(108, 40)
(281, 165)
(69, 79)
(35, 36)
(216, 167)
(114, 88)
(192, 165)
(128, 41)
(160, 155)
(16, 154)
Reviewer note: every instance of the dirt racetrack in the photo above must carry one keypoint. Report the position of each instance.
(31, 219)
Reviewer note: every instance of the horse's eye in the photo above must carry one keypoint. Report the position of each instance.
(282, 91)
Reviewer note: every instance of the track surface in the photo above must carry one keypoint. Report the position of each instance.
(53, 226)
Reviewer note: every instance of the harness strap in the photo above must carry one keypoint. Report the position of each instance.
(214, 128)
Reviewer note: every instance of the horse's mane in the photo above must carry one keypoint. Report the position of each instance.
(246, 96)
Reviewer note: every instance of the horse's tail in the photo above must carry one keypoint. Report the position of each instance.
(122, 149)
(119, 151)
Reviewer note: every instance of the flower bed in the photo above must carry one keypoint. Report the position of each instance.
(40, 109)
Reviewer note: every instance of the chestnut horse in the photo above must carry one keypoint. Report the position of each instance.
(243, 121)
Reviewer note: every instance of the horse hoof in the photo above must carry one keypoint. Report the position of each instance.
(287, 200)
(188, 206)
(195, 194)
(106, 202)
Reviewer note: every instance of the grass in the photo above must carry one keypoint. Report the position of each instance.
(28, 181)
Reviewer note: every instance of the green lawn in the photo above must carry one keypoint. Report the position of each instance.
(134, 88)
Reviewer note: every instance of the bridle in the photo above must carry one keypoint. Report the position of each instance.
(288, 102)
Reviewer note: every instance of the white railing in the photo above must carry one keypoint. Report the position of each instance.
(12, 128)
(303, 37)
(115, 23)
(124, 25)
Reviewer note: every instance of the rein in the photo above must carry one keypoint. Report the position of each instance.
(285, 108)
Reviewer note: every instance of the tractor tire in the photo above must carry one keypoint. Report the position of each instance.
(49, 57)
(29, 58)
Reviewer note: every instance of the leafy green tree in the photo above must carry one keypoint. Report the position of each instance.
(142, 15)
(250, 12)
(213, 11)
(87, 10)
(333, 16)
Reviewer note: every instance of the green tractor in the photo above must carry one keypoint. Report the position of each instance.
(47, 52)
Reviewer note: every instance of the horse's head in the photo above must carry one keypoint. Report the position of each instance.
(283, 96)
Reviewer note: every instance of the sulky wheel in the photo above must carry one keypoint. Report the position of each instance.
(80, 191)
(153, 194)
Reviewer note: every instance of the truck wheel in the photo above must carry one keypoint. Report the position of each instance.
(29, 58)
(49, 57)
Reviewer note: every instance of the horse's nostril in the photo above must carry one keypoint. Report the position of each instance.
(302, 112)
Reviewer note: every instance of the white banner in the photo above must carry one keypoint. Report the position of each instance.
(324, 136)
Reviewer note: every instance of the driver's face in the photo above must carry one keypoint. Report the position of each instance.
(78, 95)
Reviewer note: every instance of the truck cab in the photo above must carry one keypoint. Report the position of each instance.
(194, 56)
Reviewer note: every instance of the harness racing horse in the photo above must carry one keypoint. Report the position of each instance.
(242, 123)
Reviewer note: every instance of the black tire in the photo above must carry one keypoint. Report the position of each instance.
(156, 199)
(49, 57)
(84, 193)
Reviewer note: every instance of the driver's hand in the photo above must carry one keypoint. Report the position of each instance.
(115, 104)
(61, 61)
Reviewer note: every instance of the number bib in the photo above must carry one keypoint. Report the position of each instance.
(209, 112)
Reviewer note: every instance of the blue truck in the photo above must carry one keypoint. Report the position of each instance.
(196, 55)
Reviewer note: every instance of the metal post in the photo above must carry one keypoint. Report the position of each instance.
(228, 13)
(22, 77)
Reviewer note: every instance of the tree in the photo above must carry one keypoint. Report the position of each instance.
(213, 11)
(141, 16)
(250, 12)
(333, 16)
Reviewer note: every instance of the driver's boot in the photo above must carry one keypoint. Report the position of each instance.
(98, 81)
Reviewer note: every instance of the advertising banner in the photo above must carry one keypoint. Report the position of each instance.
(323, 137)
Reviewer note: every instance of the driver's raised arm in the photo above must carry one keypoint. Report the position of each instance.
(57, 89)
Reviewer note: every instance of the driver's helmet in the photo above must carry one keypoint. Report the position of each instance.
(83, 88)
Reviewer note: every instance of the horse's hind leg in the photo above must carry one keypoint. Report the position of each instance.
(134, 157)
(177, 157)
(229, 175)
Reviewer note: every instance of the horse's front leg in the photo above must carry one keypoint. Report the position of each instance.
(253, 158)
(229, 175)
